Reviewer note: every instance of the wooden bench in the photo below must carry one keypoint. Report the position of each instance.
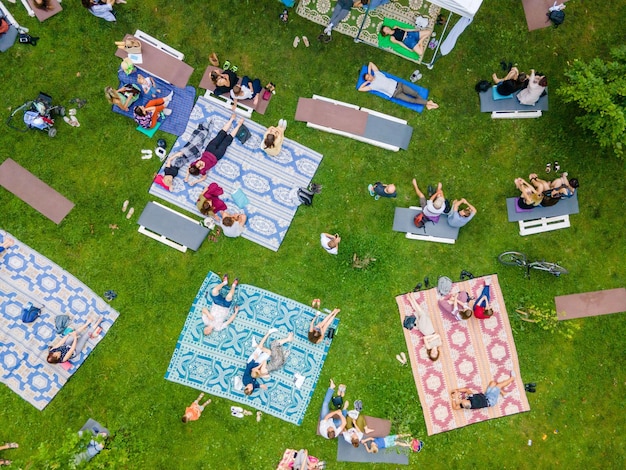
(352, 121)
(542, 219)
(244, 107)
(160, 60)
(440, 232)
(171, 228)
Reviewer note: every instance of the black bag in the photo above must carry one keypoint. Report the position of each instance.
(330, 333)
(409, 322)
(482, 86)
(305, 196)
(30, 313)
(244, 134)
(557, 17)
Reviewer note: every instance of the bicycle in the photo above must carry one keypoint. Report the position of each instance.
(515, 258)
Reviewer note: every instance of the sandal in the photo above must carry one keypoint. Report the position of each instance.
(296, 41)
(557, 167)
(548, 167)
(226, 65)
(213, 60)
(305, 40)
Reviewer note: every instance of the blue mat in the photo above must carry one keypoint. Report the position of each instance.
(423, 92)
(210, 363)
(182, 102)
(269, 183)
(27, 276)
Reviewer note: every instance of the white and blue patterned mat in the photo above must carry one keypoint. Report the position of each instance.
(269, 183)
(27, 276)
(211, 363)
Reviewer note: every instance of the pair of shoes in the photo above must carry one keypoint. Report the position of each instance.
(305, 40)
(401, 358)
(358, 405)
(326, 38)
(72, 121)
(316, 304)
(530, 387)
(415, 76)
(236, 414)
(282, 123)
(466, 275)
(284, 16)
(146, 154)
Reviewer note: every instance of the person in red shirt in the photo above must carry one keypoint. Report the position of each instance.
(482, 306)
(193, 411)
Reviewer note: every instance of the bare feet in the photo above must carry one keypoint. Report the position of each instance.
(240, 121)
(332, 384)
(431, 105)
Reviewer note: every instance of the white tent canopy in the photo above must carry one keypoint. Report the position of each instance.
(466, 8)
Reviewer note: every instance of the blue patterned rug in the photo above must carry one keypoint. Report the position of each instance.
(211, 363)
(182, 101)
(269, 183)
(27, 276)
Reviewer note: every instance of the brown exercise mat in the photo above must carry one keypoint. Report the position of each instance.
(207, 84)
(335, 116)
(590, 304)
(43, 15)
(33, 191)
(161, 64)
(536, 12)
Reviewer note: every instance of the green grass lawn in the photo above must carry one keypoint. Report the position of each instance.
(580, 380)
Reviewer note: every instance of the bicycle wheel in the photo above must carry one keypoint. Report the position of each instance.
(512, 258)
(552, 268)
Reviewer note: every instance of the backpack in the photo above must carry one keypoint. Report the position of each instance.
(420, 220)
(30, 313)
(557, 17)
(482, 86)
(305, 195)
(444, 285)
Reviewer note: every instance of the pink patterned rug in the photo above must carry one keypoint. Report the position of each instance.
(473, 353)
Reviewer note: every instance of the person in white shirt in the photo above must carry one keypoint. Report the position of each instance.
(330, 242)
(434, 206)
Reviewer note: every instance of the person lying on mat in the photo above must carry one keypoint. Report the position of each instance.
(273, 138)
(318, 332)
(536, 86)
(257, 366)
(214, 151)
(248, 90)
(410, 39)
(209, 202)
(482, 305)
(512, 82)
(460, 217)
(102, 8)
(375, 80)
(148, 114)
(124, 96)
(331, 423)
(456, 304)
(6, 244)
(434, 206)
(224, 81)
(72, 344)
(214, 319)
(465, 398)
(356, 428)
(194, 411)
(554, 191)
(422, 322)
(232, 225)
(341, 10)
(529, 197)
(374, 444)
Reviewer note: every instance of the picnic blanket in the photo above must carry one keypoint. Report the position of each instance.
(405, 11)
(473, 353)
(27, 276)
(211, 363)
(181, 105)
(269, 183)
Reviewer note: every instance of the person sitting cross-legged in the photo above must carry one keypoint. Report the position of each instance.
(233, 225)
(375, 80)
(434, 206)
(148, 115)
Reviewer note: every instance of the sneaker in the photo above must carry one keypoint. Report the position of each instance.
(236, 414)
(370, 188)
(358, 405)
(426, 282)
(226, 65)
(234, 68)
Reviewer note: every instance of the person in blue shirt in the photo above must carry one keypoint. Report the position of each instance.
(458, 216)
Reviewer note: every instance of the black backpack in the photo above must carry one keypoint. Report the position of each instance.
(482, 86)
(557, 17)
(305, 195)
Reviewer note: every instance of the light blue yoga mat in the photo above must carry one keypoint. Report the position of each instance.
(27, 276)
(211, 363)
(270, 183)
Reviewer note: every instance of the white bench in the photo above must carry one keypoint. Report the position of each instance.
(171, 228)
(542, 219)
(154, 42)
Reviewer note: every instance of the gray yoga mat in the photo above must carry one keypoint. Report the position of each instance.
(348, 453)
(388, 132)
(563, 207)
(488, 104)
(173, 226)
(403, 222)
